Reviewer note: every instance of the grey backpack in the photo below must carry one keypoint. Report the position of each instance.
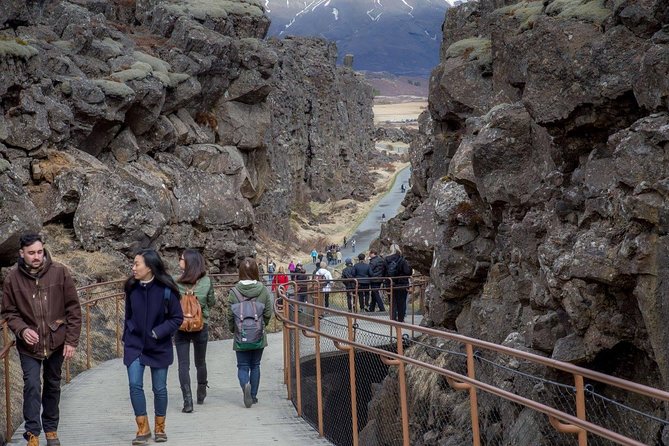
(249, 324)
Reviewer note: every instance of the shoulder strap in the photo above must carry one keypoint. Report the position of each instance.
(240, 297)
(167, 294)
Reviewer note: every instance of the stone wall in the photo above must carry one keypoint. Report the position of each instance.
(169, 124)
(543, 163)
(321, 138)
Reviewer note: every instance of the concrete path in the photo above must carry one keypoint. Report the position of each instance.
(95, 406)
(370, 228)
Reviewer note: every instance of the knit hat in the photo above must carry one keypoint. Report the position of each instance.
(348, 261)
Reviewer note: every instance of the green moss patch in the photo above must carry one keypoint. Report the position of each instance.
(473, 48)
(111, 88)
(589, 10)
(525, 12)
(155, 63)
(15, 47)
(201, 9)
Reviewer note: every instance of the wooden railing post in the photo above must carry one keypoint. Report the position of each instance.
(403, 389)
(351, 373)
(298, 362)
(8, 400)
(473, 399)
(580, 409)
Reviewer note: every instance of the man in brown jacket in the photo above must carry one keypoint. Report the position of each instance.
(41, 306)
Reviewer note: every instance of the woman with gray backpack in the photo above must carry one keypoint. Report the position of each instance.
(251, 310)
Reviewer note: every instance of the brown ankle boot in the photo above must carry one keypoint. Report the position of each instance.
(161, 436)
(143, 430)
(52, 439)
(32, 440)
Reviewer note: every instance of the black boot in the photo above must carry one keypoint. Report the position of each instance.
(201, 392)
(188, 399)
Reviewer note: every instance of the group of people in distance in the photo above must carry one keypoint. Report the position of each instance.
(370, 278)
(41, 307)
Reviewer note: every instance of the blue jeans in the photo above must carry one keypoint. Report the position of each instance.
(158, 384)
(248, 369)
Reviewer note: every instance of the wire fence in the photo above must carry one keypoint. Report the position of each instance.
(438, 388)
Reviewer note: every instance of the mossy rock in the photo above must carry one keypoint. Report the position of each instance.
(132, 74)
(4, 165)
(111, 88)
(16, 48)
(155, 63)
(473, 48)
(525, 12)
(201, 9)
(589, 10)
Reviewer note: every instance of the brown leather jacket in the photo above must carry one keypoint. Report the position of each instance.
(47, 303)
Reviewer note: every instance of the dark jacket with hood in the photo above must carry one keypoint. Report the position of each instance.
(250, 290)
(46, 302)
(349, 273)
(148, 313)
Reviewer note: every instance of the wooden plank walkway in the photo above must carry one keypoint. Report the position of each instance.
(95, 406)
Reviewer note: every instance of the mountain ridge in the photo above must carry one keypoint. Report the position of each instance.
(398, 36)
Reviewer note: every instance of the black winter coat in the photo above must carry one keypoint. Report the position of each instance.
(378, 268)
(362, 272)
(349, 273)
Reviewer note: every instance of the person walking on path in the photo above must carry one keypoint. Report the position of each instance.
(301, 278)
(348, 274)
(249, 287)
(400, 272)
(378, 269)
(279, 278)
(353, 245)
(152, 315)
(291, 269)
(194, 280)
(271, 268)
(345, 241)
(324, 277)
(362, 273)
(314, 255)
(41, 307)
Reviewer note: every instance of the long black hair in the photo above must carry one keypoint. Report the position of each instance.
(195, 268)
(155, 263)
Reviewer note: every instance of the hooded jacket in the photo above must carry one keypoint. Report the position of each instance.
(47, 303)
(250, 290)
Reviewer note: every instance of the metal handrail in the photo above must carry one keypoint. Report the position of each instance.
(562, 421)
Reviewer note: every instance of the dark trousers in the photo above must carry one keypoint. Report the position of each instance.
(376, 297)
(363, 295)
(399, 303)
(38, 399)
(182, 341)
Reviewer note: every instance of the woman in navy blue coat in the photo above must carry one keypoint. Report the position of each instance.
(152, 315)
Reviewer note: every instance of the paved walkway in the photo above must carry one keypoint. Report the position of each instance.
(96, 410)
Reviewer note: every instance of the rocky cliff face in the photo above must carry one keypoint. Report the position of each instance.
(543, 160)
(321, 137)
(150, 122)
